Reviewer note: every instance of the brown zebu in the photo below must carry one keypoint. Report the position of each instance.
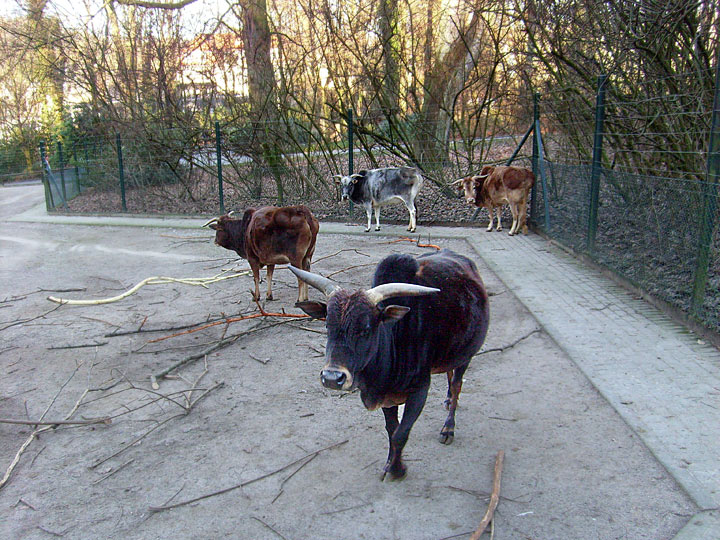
(268, 236)
(496, 186)
(436, 323)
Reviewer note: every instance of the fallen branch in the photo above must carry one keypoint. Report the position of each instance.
(232, 320)
(511, 345)
(414, 241)
(337, 253)
(216, 346)
(23, 321)
(494, 497)
(155, 280)
(96, 344)
(245, 483)
(105, 420)
(37, 431)
(349, 268)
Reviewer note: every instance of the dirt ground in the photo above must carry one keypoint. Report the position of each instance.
(572, 468)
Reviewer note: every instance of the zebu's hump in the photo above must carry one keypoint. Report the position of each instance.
(407, 174)
(396, 268)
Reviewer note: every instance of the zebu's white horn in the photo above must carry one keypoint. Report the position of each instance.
(213, 220)
(321, 283)
(390, 290)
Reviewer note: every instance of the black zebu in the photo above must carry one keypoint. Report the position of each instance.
(437, 322)
(378, 187)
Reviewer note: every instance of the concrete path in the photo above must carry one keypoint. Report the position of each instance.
(662, 380)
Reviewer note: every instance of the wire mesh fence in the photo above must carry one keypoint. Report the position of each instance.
(657, 189)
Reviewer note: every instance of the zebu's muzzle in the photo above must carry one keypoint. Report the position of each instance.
(344, 197)
(336, 378)
(470, 200)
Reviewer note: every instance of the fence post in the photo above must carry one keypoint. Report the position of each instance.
(710, 203)
(218, 153)
(49, 202)
(533, 191)
(543, 176)
(596, 163)
(62, 170)
(351, 156)
(121, 171)
(87, 160)
(77, 168)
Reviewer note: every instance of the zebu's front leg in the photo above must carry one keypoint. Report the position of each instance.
(491, 213)
(398, 433)
(368, 212)
(498, 211)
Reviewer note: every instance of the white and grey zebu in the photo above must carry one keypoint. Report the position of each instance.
(377, 187)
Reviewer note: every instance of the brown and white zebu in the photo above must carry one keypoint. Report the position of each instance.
(496, 186)
(268, 236)
(436, 323)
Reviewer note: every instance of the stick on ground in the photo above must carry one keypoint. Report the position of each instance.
(494, 497)
(247, 482)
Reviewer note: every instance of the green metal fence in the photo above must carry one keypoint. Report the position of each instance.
(643, 199)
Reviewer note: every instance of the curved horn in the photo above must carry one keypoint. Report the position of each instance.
(231, 213)
(213, 220)
(456, 182)
(337, 175)
(321, 283)
(390, 290)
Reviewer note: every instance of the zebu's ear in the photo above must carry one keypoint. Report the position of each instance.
(317, 310)
(393, 313)
(338, 178)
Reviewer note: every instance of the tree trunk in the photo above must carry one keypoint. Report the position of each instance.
(262, 88)
(432, 132)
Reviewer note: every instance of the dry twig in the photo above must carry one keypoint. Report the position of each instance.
(494, 497)
(246, 483)
(23, 321)
(415, 241)
(262, 313)
(154, 280)
(511, 345)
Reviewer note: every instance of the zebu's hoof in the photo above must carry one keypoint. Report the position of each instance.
(396, 472)
(377, 228)
(447, 437)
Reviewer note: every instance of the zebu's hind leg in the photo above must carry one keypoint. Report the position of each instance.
(447, 433)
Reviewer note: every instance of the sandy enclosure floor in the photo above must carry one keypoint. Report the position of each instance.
(572, 469)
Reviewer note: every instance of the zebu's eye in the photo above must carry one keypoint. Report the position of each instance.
(365, 332)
